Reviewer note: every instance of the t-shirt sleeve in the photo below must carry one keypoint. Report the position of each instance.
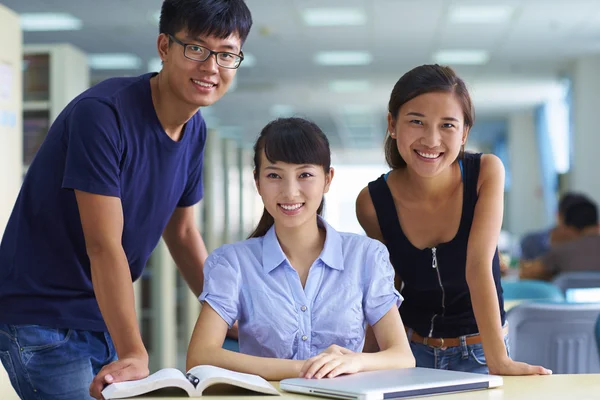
(381, 294)
(194, 190)
(222, 286)
(94, 149)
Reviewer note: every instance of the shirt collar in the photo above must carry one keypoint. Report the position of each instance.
(332, 254)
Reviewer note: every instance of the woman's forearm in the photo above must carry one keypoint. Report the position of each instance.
(271, 369)
(487, 314)
(391, 358)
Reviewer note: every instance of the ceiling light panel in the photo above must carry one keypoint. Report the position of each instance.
(114, 61)
(46, 22)
(334, 17)
(461, 57)
(479, 14)
(339, 58)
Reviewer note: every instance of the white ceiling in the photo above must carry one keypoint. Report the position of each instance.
(528, 53)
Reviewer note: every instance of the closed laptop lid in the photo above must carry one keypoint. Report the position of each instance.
(390, 384)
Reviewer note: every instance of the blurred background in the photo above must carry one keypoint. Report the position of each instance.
(532, 67)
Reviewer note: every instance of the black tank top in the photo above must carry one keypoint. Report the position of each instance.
(436, 302)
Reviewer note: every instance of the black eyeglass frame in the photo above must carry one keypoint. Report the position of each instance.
(240, 56)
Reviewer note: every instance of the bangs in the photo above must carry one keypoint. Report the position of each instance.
(294, 143)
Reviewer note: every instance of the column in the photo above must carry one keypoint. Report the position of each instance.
(191, 305)
(586, 140)
(163, 303)
(226, 161)
(525, 208)
(212, 202)
(243, 197)
(11, 140)
(137, 296)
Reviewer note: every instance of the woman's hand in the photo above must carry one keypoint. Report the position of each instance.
(510, 367)
(334, 361)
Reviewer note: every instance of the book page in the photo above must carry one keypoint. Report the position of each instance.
(208, 375)
(167, 377)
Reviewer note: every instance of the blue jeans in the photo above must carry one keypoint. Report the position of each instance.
(466, 358)
(49, 363)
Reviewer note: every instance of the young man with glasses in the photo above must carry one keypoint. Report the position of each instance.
(121, 166)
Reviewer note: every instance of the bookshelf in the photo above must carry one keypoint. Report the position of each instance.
(53, 75)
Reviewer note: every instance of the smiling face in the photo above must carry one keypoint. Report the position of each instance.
(429, 132)
(198, 84)
(292, 193)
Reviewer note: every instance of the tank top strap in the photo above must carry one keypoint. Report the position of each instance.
(471, 168)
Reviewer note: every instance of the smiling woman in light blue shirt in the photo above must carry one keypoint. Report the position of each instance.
(303, 294)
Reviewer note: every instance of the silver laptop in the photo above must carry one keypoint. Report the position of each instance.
(392, 384)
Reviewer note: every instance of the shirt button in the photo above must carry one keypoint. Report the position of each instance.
(303, 308)
(304, 337)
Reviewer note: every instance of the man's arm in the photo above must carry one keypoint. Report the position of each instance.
(186, 247)
(102, 223)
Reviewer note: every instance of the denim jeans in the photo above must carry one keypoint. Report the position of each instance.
(49, 363)
(466, 358)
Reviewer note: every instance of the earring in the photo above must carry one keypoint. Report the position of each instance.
(392, 134)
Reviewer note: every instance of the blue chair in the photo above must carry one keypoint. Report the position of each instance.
(531, 290)
(577, 280)
(558, 336)
(231, 344)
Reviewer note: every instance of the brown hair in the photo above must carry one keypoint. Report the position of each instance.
(418, 81)
(294, 141)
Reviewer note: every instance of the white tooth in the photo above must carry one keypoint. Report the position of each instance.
(428, 155)
(203, 84)
(291, 208)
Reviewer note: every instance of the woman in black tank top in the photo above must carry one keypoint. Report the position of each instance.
(439, 212)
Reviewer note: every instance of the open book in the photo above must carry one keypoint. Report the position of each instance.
(194, 382)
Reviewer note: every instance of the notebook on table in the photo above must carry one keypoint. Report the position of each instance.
(392, 384)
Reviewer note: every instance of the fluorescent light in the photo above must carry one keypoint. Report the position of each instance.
(461, 57)
(43, 22)
(349, 86)
(336, 58)
(334, 17)
(114, 61)
(480, 14)
(248, 61)
(281, 110)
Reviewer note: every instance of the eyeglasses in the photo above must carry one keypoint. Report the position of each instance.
(200, 53)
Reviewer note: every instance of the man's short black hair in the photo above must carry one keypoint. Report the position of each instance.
(581, 215)
(569, 199)
(218, 18)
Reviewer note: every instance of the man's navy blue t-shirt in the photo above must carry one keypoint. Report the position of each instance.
(107, 141)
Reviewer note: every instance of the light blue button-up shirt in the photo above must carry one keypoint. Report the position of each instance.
(350, 285)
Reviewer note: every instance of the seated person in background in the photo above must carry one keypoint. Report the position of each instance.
(536, 244)
(580, 253)
(302, 292)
